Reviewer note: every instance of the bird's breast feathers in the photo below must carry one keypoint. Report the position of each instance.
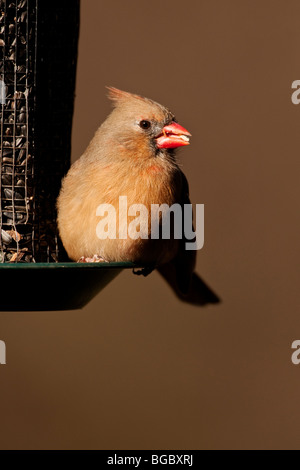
(106, 187)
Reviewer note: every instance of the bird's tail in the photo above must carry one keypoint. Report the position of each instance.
(197, 293)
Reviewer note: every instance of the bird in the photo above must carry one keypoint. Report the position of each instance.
(132, 154)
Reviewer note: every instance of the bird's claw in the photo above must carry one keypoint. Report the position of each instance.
(143, 271)
(94, 259)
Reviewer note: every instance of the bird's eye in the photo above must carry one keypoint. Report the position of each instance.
(145, 124)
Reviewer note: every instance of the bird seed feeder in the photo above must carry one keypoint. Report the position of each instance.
(38, 54)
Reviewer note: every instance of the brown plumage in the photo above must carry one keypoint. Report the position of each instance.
(131, 154)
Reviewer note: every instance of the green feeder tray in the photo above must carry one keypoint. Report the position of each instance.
(54, 286)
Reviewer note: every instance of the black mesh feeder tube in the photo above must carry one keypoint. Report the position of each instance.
(38, 54)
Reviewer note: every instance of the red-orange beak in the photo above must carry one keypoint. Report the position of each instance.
(173, 135)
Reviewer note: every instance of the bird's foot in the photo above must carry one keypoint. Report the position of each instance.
(94, 259)
(143, 271)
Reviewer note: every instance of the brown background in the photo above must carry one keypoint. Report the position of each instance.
(136, 368)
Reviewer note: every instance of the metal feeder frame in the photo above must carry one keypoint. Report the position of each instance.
(38, 55)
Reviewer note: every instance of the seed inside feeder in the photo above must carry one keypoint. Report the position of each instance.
(35, 123)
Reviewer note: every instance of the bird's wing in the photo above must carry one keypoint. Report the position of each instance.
(179, 273)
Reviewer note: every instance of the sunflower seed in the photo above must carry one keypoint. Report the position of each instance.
(5, 237)
(22, 117)
(14, 234)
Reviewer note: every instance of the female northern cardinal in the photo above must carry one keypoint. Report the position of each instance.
(132, 155)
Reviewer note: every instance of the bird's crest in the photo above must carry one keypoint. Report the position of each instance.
(119, 96)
